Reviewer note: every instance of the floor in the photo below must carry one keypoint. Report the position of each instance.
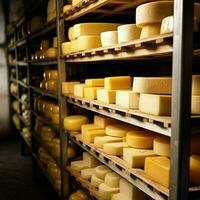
(16, 181)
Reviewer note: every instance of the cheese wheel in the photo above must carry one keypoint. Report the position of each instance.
(51, 53)
(95, 181)
(98, 82)
(66, 48)
(90, 92)
(82, 195)
(106, 96)
(55, 109)
(66, 8)
(100, 141)
(106, 192)
(79, 165)
(74, 122)
(68, 87)
(55, 118)
(101, 171)
(87, 173)
(150, 30)
(195, 170)
(52, 75)
(152, 85)
(103, 121)
(161, 146)
(128, 32)
(73, 46)
(79, 90)
(140, 139)
(109, 38)
(112, 179)
(55, 42)
(88, 42)
(52, 85)
(196, 85)
(89, 135)
(71, 33)
(153, 12)
(44, 45)
(114, 149)
(89, 127)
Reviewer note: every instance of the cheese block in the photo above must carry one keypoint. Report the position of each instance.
(161, 146)
(52, 85)
(153, 12)
(100, 141)
(112, 179)
(52, 75)
(66, 8)
(195, 170)
(55, 118)
(88, 42)
(92, 28)
(136, 157)
(152, 85)
(74, 122)
(128, 32)
(158, 169)
(44, 45)
(195, 107)
(117, 83)
(87, 173)
(79, 90)
(127, 99)
(73, 46)
(106, 192)
(98, 82)
(140, 139)
(109, 38)
(106, 96)
(196, 85)
(95, 181)
(51, 53)
(71, 33)
(103, 121)
(155, 104)
(89, 127)
(130, 192)
(89, 135)
(150, 30)
(68, 87)
(92, 162)
(114, 149)
(101, 171)
(79, 165)
(66, 48)
(90, 92)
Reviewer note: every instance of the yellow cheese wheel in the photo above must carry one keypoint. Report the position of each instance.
(66, 48)
(150, 30)
(161, 146)
(55, 109)
(43, 84)
(73, 46)
(109, 38)
(71, 33)
(52, 85)
(55, 118)
(51, 53)
(52, 74)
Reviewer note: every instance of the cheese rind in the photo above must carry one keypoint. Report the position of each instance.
(114, 149)
(87, 173)
(161, 146)
(109, 38)
(90, 92)
(106, 192)
(95, 181)
(100, 141)
(68, 87)
(195, 170)
(195, 107)
(101, 171)
(106, 96)
(79, 90)
(112, 179)
(150, 30)
(98, 82)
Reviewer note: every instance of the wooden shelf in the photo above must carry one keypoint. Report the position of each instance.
(44, 62)
(43, 92)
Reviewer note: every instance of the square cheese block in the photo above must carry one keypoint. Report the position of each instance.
(79, 90)
(114, 149)
(158, 169)
(98, 82)
(68, 87)
(89, 135)
(155, 104)
(103, 121)
(89, 127)
(127, 99)
(196, 85)
(90, 160)
(118, 83)
(79, 165)
(100, 141)
(106, 96)
(152, 85)
(91, 92)
(75, 2)
(136, 157)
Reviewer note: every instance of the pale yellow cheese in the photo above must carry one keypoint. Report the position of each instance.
(74, 122)
(66, 48)
(73, 46)
(109, 38)
(158, 169)
(79, 165)
(98, 82)
(52, 85)
(89, 127)
(51, 53)
(152, 85)
(95, 181)
(155, 104)
(79, 90)
(90, 160)
(68, 87)
(112, 179)
(150, 30)
(88, 42)
(153, 12)
(71, 33)
(89, 135)
(106, 192)
(75, 2)
(44, 45)
(128, 32)
(100, 141)
(53, 75)
(119, 196)
(90, 92)
(196, 85)
(92, 28)
(195, 107)
(161, 146)
(101, 171)
(117, 83)
(103, 121)
(66, 8)
(114, 149)
(55, 118)
(87, 173)
(106, 96)
(195, 170)
(136, 157)
(140, 139)
(127, 99)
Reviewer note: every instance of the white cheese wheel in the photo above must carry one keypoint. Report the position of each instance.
(150, 30)
(196, 85)
(87, 173)
(101, 171)
(161, 146)
(95, 181)
(51, 53)
(106, 192)
(112, 179)
(109, 38)
(195, 107)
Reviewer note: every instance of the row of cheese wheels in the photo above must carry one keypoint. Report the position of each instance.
(151, 95)
(110, 185)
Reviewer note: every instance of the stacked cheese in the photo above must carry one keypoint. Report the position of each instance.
(85, 36)
(51, 10)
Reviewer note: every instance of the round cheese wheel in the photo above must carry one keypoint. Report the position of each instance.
(48, 110)
(95, 181)
(44, 45)
(74, 122)
(150, 30)
(52, 75)
(66, 8)
(153, 12)
(112, 179)
(195, 170)
(101, 171)
(66, 48)
(109, 38)
(82, 195)
(74, 46)
(51, 53)
(161, 146)
(52, 85)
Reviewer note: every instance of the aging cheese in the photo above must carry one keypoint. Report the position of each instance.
(112, 179)
(87, 173)
(88, 42)
(152, 85)
(51, 16)
(161, 146)
(127, 99)
(117, 83)
(53, 75)
(153, 12)
(106, 96)
(109, 38)
(79, 90)
(66, 8)
(68, 87)
(98, 82)
(55, 109)
(158, 169)
(73, 46)
(136, 157)
(93, 28)
(79, 165)
(101, 171)
(52, 85)
(90, 92)
(55, 118)
(195, 170)
(196, 85)
(128, 32)
(95, 181)
(155, 104)
(106, 192)
(89, 127)
(51, 53)
(92, 162)
(44, 45)
(195, 107)
(89, 135)
(100, 141)
(150, 30)
(71, 33)
(114, 149)
(74, 122)
(43, 84)
(140, 139)
(103, 121)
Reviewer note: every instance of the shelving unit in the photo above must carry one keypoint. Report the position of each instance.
(160, 49)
